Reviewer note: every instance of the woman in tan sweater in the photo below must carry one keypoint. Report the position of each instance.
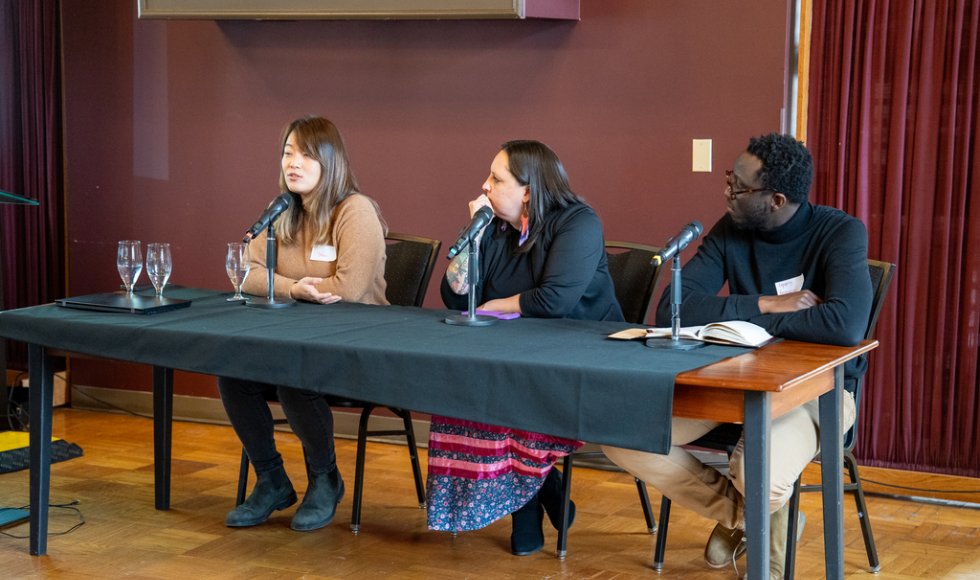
(331, 248)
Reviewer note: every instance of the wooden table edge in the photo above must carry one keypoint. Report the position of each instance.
(716, 392)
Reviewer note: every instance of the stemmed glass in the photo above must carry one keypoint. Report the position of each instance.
(237, 265)
(129, 262)
(158, 265)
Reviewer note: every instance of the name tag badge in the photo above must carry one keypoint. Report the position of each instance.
(791, 285)
(323, 253)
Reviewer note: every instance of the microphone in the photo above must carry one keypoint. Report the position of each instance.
(481, 218)
(688, 234)
(278, 205)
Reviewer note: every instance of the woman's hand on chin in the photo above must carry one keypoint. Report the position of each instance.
(305, 289)
(482, 201)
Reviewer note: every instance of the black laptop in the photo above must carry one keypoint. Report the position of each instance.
(119, 302)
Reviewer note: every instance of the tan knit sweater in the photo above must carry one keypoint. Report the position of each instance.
(357, 274)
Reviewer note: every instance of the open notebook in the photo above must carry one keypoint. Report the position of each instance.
(731, 332)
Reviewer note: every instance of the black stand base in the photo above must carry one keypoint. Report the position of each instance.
(472, 320)
(679, 344)
(256, 302)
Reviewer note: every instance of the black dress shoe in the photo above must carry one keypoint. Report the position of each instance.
(527, 536)
(550, 497)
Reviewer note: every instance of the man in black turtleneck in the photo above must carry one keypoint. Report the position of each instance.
(796, 269)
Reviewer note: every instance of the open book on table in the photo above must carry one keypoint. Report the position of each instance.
(731, 332)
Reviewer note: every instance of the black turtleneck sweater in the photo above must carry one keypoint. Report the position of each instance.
(827, 246)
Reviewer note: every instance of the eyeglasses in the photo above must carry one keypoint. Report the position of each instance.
(732, 193)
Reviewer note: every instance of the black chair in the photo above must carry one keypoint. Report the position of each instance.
(725, 437)
(635, 279)
(408, 269)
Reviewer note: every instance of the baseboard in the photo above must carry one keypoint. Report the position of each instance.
(914, 485)
(211, 411)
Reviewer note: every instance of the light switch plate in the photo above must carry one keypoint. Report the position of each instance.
(702, 155)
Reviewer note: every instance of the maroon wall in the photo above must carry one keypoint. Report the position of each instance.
(173, 126)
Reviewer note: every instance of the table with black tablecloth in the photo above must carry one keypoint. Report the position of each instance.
(559, 377)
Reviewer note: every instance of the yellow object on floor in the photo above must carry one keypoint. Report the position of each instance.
(15, 440)
(15, 452)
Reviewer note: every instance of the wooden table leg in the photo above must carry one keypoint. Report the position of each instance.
(832, 476)
(163, 414)
(41, 397)
(758, 424)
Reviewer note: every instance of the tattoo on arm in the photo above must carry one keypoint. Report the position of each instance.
(458, 272)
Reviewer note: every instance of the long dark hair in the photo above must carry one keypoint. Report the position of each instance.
(535, 165)
(320, 139)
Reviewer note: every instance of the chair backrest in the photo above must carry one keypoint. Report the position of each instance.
(408, 268)
(881, 278)
(634, 277)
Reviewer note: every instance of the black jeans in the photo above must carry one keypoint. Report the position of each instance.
(308, 413)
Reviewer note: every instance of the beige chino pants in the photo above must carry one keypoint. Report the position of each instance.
(795, 441)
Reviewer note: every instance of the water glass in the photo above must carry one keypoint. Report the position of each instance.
(158, 265)
(237, 265)
(129, 262)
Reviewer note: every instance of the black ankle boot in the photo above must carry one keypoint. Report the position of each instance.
(550, 496)
(527, 536)
(273, 491)
(320, 502)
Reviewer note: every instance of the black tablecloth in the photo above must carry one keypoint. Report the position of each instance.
(559, 377)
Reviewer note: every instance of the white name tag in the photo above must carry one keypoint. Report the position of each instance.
(323, 253)
(791, 285)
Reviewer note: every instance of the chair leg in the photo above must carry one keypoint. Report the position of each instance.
(658, 558)
(565, 497)
(413, 452)
(355, 516)
(791, 531)
(862, 509)
(242, 480)
(641, 487)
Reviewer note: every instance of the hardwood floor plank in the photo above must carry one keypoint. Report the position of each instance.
(124, 536)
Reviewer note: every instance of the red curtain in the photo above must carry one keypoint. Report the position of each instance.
(31, 237)
(894, 128)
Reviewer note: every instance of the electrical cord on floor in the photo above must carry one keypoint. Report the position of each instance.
(110, 405)
(65, 506)
(865, 480)
(14, 410)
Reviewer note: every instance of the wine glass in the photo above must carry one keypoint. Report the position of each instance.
(237, 266)
(158, 265)
(129, 262)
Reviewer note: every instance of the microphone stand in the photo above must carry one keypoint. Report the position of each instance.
(472, 318)
(675, 342)
(270, 301)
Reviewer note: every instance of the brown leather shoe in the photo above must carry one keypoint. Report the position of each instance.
(724, 547)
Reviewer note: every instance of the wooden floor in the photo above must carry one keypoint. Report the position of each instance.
(124, 537)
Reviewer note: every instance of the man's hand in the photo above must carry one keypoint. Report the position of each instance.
(792, 302)
(305, 289)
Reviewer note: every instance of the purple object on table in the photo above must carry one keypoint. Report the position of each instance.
(500, 315)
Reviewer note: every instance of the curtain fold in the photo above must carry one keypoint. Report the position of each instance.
(31, 237)
(894, 131)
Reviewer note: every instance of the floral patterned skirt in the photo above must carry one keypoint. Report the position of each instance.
(479, 473)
